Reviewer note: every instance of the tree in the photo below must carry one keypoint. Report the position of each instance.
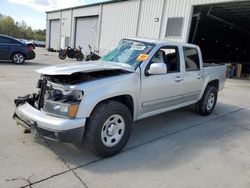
(8, 26)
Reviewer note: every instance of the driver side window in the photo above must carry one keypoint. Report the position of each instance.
(169, 56)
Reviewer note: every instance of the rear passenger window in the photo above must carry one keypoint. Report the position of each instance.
(192, 61)
(5, 40)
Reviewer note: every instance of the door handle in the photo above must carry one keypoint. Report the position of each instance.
(199, 76)
(178, 79)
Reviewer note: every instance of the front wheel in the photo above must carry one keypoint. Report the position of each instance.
(18, 58)
(108, 129)
(79, 57)
(208, 101)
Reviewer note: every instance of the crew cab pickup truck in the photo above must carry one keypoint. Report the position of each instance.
(97, 102)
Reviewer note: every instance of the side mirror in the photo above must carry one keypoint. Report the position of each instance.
(157, 68)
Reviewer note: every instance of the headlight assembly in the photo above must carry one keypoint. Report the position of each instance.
(77, 95)
(61, 109)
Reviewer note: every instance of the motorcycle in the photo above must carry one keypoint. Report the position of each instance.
(71, 53)
(93, 55)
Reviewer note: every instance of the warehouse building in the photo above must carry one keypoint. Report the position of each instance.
(220, 27)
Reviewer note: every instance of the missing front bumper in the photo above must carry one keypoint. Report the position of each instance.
(47, 126)
(72, 135)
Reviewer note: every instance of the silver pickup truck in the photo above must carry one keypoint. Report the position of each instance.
(97, 102)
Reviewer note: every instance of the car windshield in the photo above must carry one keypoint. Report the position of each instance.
(127, 52)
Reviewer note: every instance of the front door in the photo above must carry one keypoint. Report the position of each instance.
(159, 92)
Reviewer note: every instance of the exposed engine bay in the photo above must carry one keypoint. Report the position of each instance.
(56, 98)
(79, 77)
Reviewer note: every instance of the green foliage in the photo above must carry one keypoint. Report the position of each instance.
(8, 26)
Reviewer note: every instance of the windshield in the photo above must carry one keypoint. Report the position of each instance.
(127, 52)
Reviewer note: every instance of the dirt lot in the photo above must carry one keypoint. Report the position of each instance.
(174, 149)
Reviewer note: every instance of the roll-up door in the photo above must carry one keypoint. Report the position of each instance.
(54, 34)
(86, 33)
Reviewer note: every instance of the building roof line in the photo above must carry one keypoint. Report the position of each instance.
(88, 5)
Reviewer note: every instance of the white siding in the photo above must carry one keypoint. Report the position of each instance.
(86, 11)
(54, 15)
(50, 16)
(66, 23)
(130, 19)
(149, 11)
(183, 8)
(119, 20)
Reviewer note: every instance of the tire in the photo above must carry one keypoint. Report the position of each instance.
(208, 101)
(18, 58)
(108, 129)
(79, 57)
(62, 55)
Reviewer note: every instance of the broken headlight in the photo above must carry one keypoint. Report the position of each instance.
(63, 103)
(77, 95)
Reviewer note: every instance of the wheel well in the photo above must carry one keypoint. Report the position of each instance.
(127, 100)
(18, 52)
(214, 83)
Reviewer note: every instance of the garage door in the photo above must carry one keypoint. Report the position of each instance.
(55, 34)
(86, 33)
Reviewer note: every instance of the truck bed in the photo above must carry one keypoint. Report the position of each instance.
(215, 71)
(212, 64)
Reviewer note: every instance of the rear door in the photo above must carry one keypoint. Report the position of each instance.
(193, 74)
(5, 48)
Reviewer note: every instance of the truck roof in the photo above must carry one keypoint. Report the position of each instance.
(160, 41)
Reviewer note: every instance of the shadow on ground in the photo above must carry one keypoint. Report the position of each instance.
(156, 129)
(27, 63)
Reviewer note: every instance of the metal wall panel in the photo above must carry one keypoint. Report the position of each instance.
(66, 23)
(119, 20)
(86, 11)
(150, 18)
(50, 16)
(130, 19)
(182, 8)
(82, 12)
(54, 34)
(86, 33)
(54, 15)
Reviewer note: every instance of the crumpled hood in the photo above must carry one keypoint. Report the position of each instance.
(85, 67)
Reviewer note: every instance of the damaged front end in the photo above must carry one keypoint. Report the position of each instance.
(51, 113)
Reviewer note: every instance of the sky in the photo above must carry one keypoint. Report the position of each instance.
(33, 11)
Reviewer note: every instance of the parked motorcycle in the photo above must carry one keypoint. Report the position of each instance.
(93, 55)
(71, 53)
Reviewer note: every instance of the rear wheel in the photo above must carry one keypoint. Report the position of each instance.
(18, 58)
(79, 57)
(208, 101)
(108, 129)
(62, 55)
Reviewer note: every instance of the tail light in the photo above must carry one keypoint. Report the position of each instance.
(30, 48)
